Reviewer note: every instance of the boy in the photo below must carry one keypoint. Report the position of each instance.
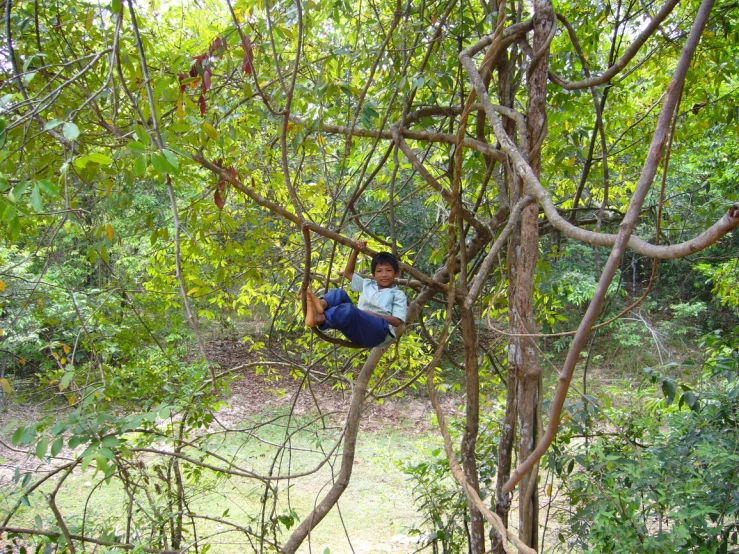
(382, 306)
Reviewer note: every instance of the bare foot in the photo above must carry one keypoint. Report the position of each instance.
(317, 302)
(313, 317)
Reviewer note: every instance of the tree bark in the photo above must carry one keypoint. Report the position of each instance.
(523, 354)
(469, 440)
(506, 71)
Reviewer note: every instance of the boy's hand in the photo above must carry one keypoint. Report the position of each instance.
(361, 244)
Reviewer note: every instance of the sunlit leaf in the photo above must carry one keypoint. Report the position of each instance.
(70, 131)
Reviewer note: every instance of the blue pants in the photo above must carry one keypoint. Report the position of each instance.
(359, 327)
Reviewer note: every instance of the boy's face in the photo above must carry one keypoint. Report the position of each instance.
(384, 275)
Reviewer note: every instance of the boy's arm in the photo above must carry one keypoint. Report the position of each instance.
(352, 262)
(400, 310)
(392, 320)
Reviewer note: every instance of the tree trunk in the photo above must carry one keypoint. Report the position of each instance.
(506, 71)
(469, 440)
(523, 350)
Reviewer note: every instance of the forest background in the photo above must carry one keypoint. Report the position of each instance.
(558, 180)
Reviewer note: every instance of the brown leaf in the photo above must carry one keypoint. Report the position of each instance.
(247, 66)
(201, 104)
(246, 43)
(217, 47)
(218, 200)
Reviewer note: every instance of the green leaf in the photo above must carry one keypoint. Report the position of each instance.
(668, 389)
(4, 183)
(59, 428)
(36, 202)
(106, 453)
(48, 188)
(177, 150)
(57, 446)
(16, 439)
(690, 399)
(136, 147)
(66, 379)
(116, 5)
(100, 158)
(41, 448)
(160, 163)
(101, 463)
(18, 190)
(86, 461)
(111, 441)
(171, 159)
(104, 255)
(142, 135)
(139, 165)
(53, 124)
(15, 228)
(211, 131)
(71, 131)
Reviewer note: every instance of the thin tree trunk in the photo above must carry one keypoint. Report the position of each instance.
(469, 440)
(508, 434)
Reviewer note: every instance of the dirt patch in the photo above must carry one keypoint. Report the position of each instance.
(257, 388)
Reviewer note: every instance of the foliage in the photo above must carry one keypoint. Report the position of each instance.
(679, 494)
(441, 502)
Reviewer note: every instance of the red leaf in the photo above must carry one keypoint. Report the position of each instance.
(201, 104)
(247, 67)
(194, 70)
(218, 200)
(217, 47)
(246, 43)
(206, 79)
(233, 173)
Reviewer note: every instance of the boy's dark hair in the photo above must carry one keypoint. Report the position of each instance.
(385, 258)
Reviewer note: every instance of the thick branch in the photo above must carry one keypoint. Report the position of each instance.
(351, 430)
(609, 73)
(487, 263)
(674, 90)
(726, 224)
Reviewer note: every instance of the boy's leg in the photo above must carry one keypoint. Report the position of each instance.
(359, 327)
(319, 303)
(334, 297)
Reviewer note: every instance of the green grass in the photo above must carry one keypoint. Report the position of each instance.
(377, 508)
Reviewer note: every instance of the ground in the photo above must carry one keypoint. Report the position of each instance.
(378, 506)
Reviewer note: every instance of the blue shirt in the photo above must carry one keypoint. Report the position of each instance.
(388, 301)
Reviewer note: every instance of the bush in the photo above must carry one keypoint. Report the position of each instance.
(680, 491)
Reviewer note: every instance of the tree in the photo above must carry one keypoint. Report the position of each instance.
(309, 123)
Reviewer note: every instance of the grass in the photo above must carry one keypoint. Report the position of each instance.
(377, 508)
